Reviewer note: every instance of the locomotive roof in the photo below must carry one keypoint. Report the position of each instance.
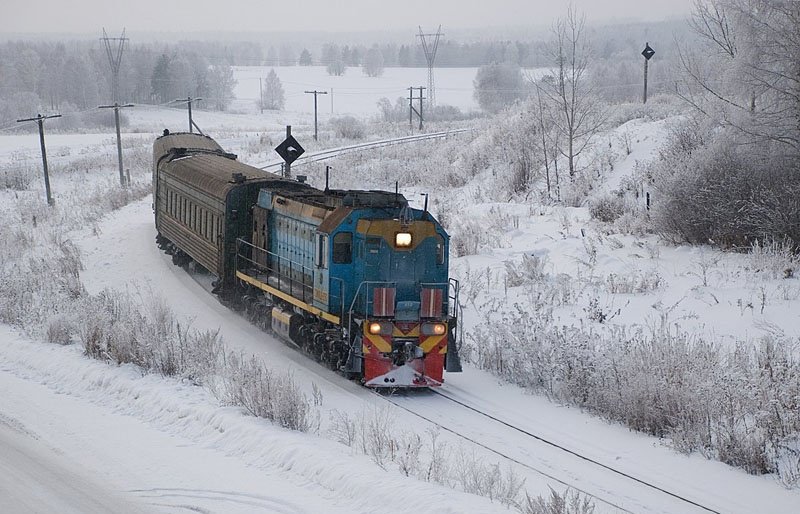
(334, 198)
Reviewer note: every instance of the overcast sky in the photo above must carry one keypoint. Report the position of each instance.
(89, 16)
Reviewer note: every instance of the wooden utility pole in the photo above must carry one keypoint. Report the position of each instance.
(40, 120)
(261, 94)
(122, 180)
(315, 93)
(188, 101)
(412, 110)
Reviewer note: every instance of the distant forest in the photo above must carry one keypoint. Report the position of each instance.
(74, 75)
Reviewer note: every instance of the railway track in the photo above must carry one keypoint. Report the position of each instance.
(336, 152)
(604, 497)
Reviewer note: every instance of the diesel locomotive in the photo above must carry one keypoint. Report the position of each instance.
(359, 279)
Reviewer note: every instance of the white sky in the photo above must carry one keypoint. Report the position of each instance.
(89, 16)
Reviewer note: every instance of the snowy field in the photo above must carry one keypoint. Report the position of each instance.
(144, 443)
(354, 92)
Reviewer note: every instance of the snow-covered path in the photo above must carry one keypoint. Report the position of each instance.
(42, 479)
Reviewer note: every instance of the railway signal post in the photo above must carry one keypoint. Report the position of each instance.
(289, 150)
(647, 53)
(40, 120)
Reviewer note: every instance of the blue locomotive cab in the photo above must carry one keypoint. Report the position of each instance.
(362, 261)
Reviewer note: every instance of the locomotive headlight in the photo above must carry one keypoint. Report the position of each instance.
(402, 239)
(434, 329)
(376, 327)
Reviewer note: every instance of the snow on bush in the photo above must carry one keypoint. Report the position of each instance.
(41, 292)
(267, 394)
(374, 433)
(348, 127)
(569, 502)
(710, 187)
(607, 208)
(732, 405)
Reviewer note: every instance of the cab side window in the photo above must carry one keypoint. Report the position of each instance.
(343, 248)
(439, 250)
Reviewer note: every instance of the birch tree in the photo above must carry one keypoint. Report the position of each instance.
(577, 115)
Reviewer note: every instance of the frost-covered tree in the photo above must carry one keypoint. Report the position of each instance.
(730, 176)
(746, 75)
(221, 84)
(273, 97)
(305, 58)
(373, 62)
(161, 80)
(334, 62)
(498, 85)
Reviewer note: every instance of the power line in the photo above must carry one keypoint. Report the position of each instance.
(114, 59)
(430, 56)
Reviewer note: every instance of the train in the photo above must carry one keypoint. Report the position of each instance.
(359, 279)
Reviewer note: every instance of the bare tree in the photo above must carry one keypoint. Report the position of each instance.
(577, 115)
(746, 76)
(548, 141)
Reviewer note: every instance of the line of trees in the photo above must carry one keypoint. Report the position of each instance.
(77, 76)
(612, 42)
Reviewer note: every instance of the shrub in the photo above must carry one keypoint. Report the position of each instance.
(737, 406)
(348, 127)
(607, 208)
(721, 193)
(530, 270)
(266, 394)
(569, 502)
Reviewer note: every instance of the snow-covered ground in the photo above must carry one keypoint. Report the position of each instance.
(160, 445)
(354, 92)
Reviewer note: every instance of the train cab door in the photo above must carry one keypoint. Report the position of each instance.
(259, 238)
(321, 272)
(373, 259)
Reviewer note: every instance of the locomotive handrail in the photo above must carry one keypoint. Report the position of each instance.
(448, 287)
(366, 300)
(277, 271)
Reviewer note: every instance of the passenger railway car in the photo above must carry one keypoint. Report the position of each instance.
(357, 278)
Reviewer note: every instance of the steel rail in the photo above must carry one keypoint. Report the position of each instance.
(576, 454)
(342, 150)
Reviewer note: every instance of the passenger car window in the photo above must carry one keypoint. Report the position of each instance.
(343, 248)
